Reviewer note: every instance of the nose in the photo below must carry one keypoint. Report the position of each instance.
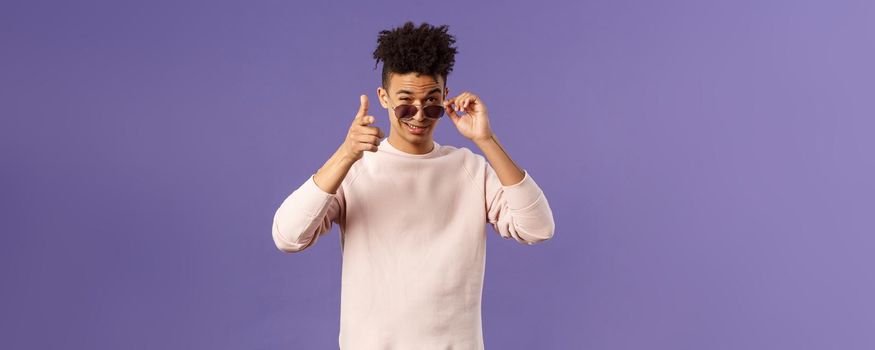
(420, 115)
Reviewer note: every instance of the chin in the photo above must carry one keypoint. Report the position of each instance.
(418, 138)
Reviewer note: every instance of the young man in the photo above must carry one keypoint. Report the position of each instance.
(412, 213)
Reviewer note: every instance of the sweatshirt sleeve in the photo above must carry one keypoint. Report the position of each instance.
(306, 214)
(519, 211)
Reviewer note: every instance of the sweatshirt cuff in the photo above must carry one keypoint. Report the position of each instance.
(522, 194)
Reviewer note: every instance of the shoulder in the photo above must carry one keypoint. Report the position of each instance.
(354, 171)
(473, 164)
(460, 151)
(467, 156)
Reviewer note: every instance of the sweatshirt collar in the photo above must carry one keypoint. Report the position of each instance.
(388, 148)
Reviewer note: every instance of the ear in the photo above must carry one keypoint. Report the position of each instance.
(382, 95)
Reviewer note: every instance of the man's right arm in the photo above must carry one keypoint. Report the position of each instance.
(331, 174)
(309, 211)
(305, 215)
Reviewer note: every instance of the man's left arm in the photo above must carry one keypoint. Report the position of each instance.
(516, 205)
(508, 172)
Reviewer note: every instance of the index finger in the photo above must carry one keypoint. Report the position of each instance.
(363, 107)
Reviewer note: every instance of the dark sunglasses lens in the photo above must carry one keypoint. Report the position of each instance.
(405, 111)
(408, 111)
(433, 112)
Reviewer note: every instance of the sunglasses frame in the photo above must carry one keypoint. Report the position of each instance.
(418, 108)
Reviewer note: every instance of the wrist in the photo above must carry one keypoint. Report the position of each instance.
(344, 157)
(484, 141)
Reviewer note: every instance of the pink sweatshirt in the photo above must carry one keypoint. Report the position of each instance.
(413, 240)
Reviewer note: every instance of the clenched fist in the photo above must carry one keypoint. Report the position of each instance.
(361, 136)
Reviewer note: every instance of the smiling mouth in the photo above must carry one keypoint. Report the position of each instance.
(416, 127)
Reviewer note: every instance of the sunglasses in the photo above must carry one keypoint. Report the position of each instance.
(408, 111)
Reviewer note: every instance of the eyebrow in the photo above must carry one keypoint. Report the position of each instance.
(411, 93)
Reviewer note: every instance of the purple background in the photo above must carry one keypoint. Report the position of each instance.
(710, 167)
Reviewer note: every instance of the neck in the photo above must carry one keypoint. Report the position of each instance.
(409, 147)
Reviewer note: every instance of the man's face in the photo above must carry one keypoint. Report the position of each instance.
(422, 90)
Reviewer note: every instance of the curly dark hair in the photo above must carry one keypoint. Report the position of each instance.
(425, 50)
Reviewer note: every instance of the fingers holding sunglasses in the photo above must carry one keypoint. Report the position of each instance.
(467, 101)
(459, 104)
(448, 106)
